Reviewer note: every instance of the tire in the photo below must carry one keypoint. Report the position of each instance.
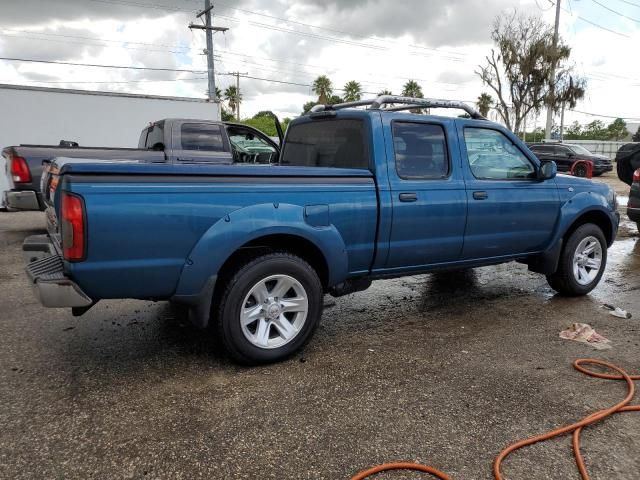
(255, 322)
(580, 171)
(574, 276)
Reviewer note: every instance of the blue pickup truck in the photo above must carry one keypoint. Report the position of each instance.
(358, 195)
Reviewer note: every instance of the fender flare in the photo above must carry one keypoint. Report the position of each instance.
(244, 225)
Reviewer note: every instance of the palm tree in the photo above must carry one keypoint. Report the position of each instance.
(352, 91)
(323, 88)
(484, 104)
(233, 98)
(385, 92)
(412, 89)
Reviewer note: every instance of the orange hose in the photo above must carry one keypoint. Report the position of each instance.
(574, 428)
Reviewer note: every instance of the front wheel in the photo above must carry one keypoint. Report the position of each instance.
(582, 262)
(270, 308)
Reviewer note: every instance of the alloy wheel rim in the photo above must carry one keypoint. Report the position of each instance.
(274, 311)
(587, 260)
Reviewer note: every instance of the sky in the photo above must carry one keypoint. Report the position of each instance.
(284, 45)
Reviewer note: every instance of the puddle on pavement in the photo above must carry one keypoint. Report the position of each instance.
(623, 270)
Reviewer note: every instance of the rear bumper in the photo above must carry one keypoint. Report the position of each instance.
(46, 274)
(22, 200)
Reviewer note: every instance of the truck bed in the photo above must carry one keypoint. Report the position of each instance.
(165, 214)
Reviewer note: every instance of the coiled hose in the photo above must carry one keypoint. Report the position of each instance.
(574, 428)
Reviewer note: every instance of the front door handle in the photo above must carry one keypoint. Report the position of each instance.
(408, 197)
(480, 195)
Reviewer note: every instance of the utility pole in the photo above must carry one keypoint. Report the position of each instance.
(209, 30)
(552, 80)
(237, 75)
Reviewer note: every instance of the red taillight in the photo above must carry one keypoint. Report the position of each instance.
(20, 170)
(636, 176)
(73, 227)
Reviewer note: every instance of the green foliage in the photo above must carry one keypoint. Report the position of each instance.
(412, 89)
(617, 129)
(385, 92)
(322, 87)
(334, 99)
(636, 136)
(233, 97)
(264, 122)
(519, 69)
(226, 116)
(484, 104)
(597, 130)
(352, 91)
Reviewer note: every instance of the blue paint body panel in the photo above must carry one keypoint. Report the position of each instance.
(160, 231)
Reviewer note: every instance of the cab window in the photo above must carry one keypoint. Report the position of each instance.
(493, 156)
(420, 150)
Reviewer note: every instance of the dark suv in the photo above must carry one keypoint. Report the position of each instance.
(565, 155)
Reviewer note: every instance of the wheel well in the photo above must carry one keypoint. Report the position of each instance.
(293, 244)
(597, 218)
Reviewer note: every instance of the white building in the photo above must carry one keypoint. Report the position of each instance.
(44, 116)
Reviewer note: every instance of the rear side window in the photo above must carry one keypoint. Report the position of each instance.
(338, 143)
(202, 137)
(420, 150)
(154, 137)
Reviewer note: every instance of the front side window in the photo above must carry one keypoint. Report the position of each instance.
(336, 143)
(420, 150)
(201, 137)
(493, 156)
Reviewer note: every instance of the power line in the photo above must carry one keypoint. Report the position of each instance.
(616, 12)
(57, 62)
(630, 3)
(597, 25)
(113, 81)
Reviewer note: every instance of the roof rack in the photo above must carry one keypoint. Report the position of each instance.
(406, 103)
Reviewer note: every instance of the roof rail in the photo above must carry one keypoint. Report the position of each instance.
(407, 103)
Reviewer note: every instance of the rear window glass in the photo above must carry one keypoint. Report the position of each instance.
(421, 150)
(336, 143)
(202, 137)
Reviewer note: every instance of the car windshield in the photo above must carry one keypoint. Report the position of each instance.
(579, 150)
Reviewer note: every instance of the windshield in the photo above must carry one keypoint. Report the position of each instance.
(579, 150)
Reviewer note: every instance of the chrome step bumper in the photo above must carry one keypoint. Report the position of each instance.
(50, 285)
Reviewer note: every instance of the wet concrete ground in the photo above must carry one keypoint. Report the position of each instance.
(441, 369)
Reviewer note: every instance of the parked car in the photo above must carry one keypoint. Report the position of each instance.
(168, 141)
(633, 206)
(565, 155)
(359, 195)
(628, 161)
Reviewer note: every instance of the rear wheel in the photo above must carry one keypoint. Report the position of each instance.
(582, 262)
(270, 308)
(580, 170)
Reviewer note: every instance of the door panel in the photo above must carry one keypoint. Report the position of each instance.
(508, 213)
(427, 190)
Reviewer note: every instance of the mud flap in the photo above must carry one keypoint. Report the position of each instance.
(546, 262)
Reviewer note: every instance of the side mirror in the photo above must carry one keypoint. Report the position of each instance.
(548, 170)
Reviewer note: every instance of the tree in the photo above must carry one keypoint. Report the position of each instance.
(412, 89)
(636, 136)
(573, 131)
(519, 69)
(233, 98)
(385, 92)
(617, 129)
(484, 104)
(265, 122)
(323, 88)
(334, 99)
(352, 91)
(595, 130)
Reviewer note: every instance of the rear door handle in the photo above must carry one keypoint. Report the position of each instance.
(408, 197)
(480, 195)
